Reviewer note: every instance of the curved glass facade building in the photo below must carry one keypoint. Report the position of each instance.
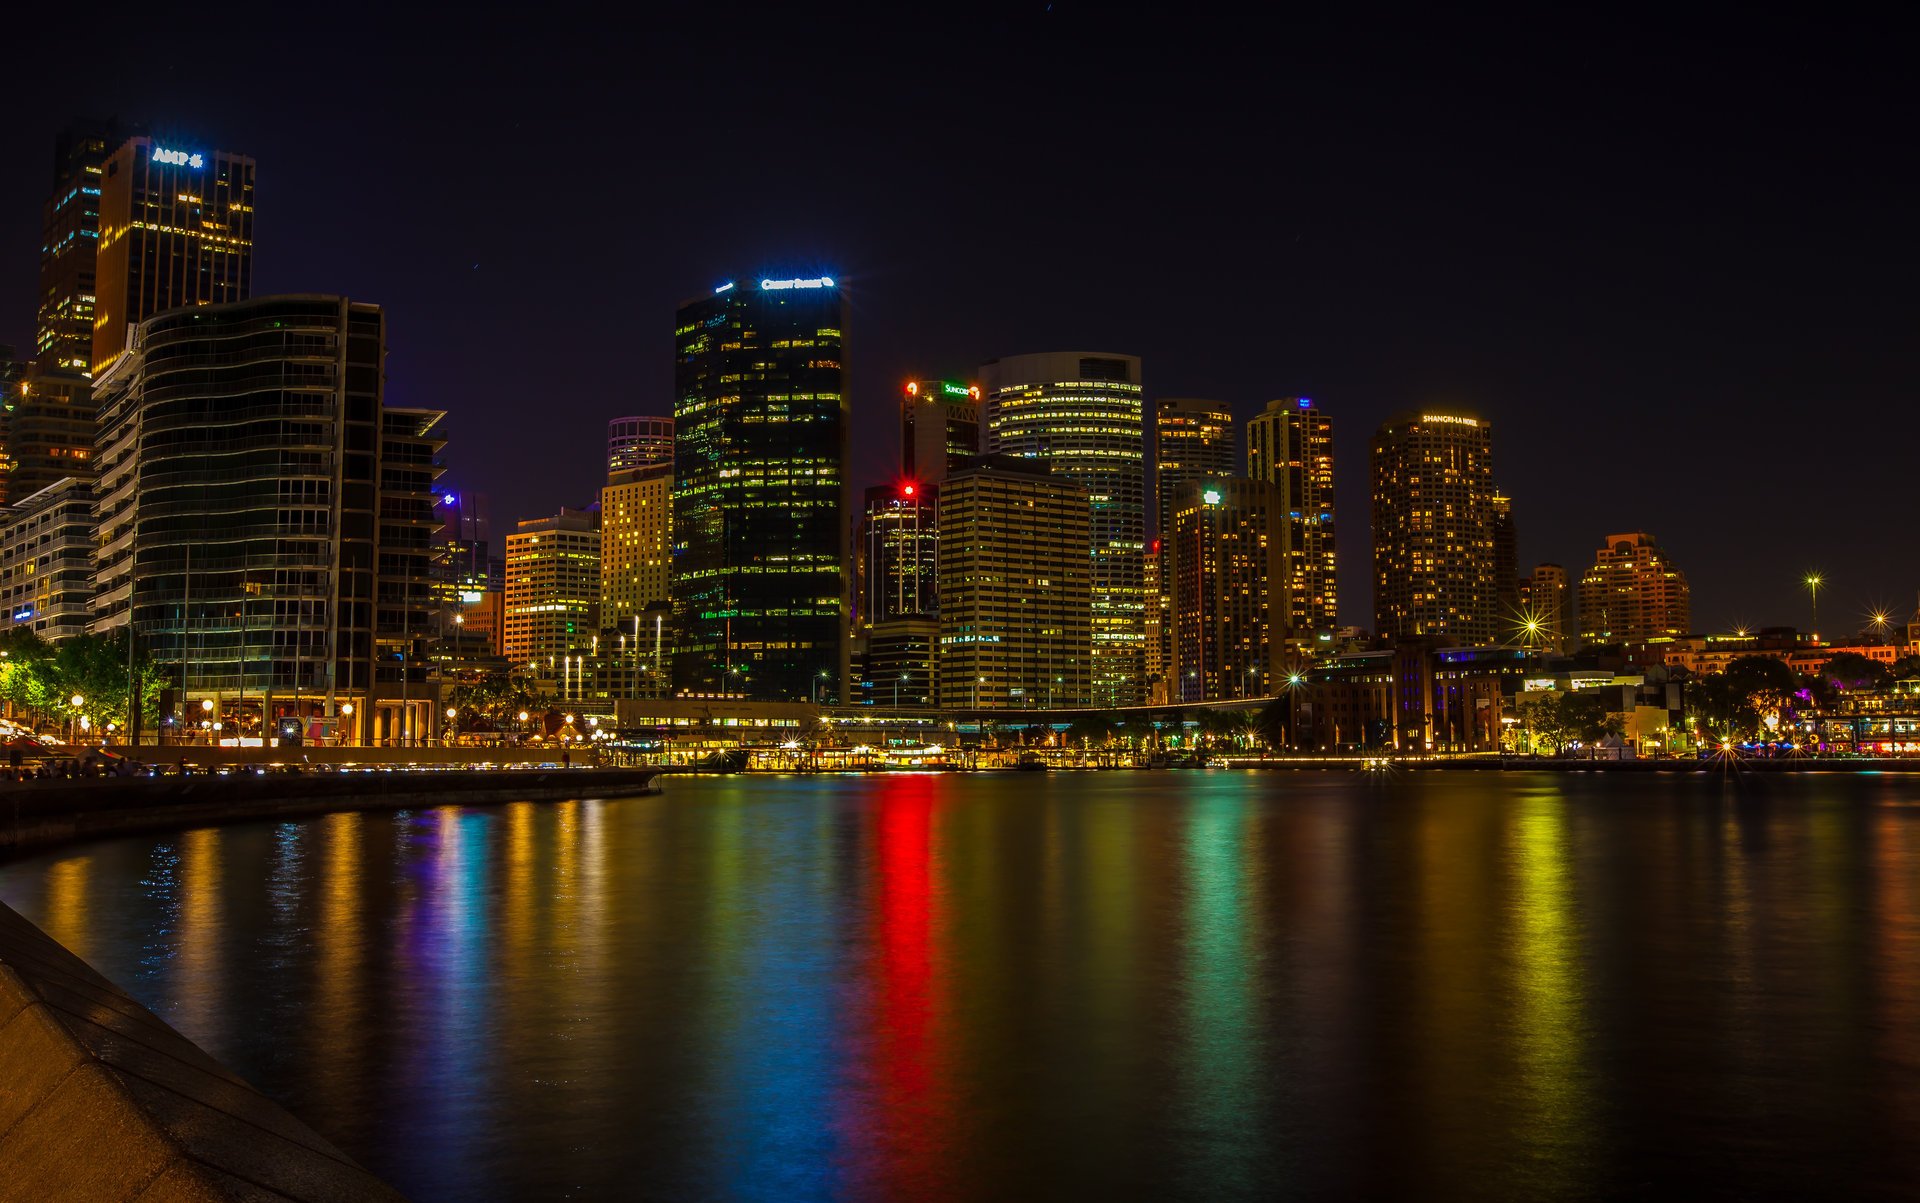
(759, 585)
(267, 520)
(1082, 412)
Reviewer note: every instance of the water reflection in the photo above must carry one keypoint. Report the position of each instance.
(1169, 985)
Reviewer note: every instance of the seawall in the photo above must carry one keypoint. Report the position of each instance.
(101, 1100)
(37, 814)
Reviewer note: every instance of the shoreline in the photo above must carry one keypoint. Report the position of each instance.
(36, 815)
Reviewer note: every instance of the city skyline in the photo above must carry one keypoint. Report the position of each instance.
(1670, 324)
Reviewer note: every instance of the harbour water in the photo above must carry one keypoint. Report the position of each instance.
(1194, 985)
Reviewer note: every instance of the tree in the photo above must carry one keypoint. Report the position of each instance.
(43, 678)
(1586, 716)
(1849, 671)
(1906, 668)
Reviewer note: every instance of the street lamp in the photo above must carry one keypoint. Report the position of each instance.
(817, 682)
(77, 701)
(1294, 681)
(1813, 583)
(896, 691)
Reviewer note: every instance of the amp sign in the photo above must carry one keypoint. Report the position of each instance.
(178, 158)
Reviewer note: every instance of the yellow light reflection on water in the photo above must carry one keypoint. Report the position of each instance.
(1549, 996)
(68, 911)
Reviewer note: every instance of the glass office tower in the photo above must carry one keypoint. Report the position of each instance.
(759, 582)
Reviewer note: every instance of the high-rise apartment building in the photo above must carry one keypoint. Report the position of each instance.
(636, 557)
(760, 587)
(1433, 520)
(553, 591)
(900, 547)
(1290, 444)
(1082, 413)
(1633, 592)
(1015, 588)
(70, 234)
(1226, 564)
(176, 228)
(267, 520)
(1193, 440)
(1546, 622)
(939, 428)
(638, 442)
(46, 561)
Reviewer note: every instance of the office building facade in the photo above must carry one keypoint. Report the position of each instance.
(1193, 441)
(1633, 593)
(760, 589)
(1433, 529)
(1290, 444)
(1082, 413)
(636, 557)
(638, 442)
(69, 242)
(900, 551)
(176, 228)
(1546, 621)
(1016, 587)
(939, 428)
(47, 430)
(1226, 567)
(553, 592)
(265, 520)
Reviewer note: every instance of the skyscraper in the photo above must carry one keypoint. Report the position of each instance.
(1225, 557)
(1506, 570)
(553, 591)
(900, 543)
(1193, 440)
(1633, 592)
(939, 428)
(1015, 586)
(176, 228)
(1546, 622)
(70, 234)
(1081, 412)
(638, 442)
(636, 556)
(1433, 519)
(760, 588)
(266, 518)
(47, 430)
(1290, 444)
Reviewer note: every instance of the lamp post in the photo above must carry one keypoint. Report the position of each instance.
(346, 712)
(453, 724)
(76, 701)
(818, 681)
(206, 708)
(1294, 681)
(1813, 583)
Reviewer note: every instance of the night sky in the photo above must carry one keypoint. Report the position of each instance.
(1677, 267)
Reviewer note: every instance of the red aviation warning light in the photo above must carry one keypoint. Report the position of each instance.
(913, 388)
(909, 489)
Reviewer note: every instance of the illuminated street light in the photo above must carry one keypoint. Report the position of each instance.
(1813, 582)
